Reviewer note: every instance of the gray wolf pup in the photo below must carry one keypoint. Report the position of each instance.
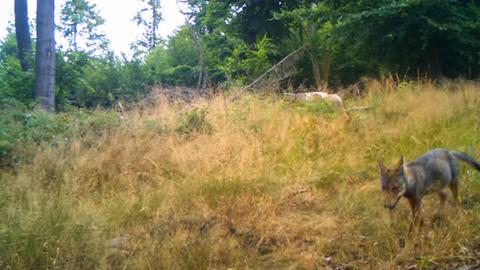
(432, 172)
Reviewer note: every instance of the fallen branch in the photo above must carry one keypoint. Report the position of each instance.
(358, 108)
(347, 111)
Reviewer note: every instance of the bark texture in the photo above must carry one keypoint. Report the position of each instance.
(45, 55)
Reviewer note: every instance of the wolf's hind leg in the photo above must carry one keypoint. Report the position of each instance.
(454, 189)
(438, 215)
(443, 199)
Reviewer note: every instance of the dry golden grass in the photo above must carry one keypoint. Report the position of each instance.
(257, 183)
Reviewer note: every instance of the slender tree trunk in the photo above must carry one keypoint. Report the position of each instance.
(75, 37)
(316, 71)
(200, 63)
(22, 31)
(198, 43)
(45, 55)
(154, 27)
(327, 59)
(433, 61)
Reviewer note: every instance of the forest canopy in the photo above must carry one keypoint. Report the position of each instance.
(231, 43)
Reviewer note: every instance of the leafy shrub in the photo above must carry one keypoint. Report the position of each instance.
(25, 130)
(194, 121)
(156, 126)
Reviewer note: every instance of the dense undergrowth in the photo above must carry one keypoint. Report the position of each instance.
(257, 183)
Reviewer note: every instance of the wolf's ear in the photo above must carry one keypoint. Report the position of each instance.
(401, 163)
(383, 176)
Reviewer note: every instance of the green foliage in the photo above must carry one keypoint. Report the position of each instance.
(247, 20)
(23, 130)
(90, 81)
(14, 82)
(157, 62)
(177, 63)
(245, 64)
(11, 117)
(156, 126)
(193, 122)
(437, 37)
(181, 48)
(225, 58)
(232, 42)
(150, 22)
(238, 37)
(404, 37)
(79, 21)
(72, 86)
(181, 75)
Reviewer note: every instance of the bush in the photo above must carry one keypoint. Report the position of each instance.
(25, 130)
(194, 121)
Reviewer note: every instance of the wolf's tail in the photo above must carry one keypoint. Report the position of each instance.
(468, 159)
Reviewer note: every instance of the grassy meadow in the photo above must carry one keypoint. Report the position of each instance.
(255, 183)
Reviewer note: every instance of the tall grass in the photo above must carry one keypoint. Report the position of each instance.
(257, 183)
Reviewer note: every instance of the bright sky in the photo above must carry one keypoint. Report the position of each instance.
(118, 15)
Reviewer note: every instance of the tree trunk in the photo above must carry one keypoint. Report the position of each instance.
(316, 72)
(22, 31)
(75, 47)
(434, 64)
(198, 43)
(154, 27)
(327, 59)
(45, 55)
(200, 73)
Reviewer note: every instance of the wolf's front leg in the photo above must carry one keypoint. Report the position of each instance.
(410, 241)
(416, 216)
